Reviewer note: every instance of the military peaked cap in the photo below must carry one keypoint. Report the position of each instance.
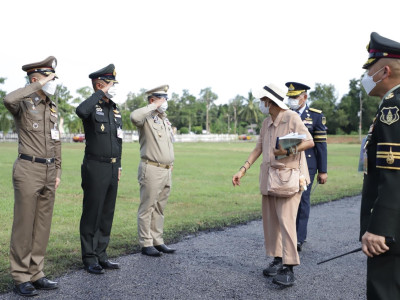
(44, 67)
(159, 92)
(296, 88)
(381, 47)
(107, 74)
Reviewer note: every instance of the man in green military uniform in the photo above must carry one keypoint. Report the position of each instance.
(155, 170)
(101, 170)
(36, 175)
(380, 204)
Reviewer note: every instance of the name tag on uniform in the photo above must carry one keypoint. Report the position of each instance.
(120, 133)
(55, 134)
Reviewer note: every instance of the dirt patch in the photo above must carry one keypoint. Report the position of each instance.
(343, 139)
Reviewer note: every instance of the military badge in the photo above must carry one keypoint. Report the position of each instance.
(390, 96)
(389, 115)
(323, 120)
(102, 127)
(390, 157)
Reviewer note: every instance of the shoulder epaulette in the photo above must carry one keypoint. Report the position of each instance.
(315, 110)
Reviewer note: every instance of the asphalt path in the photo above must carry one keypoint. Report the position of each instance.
(228, 264)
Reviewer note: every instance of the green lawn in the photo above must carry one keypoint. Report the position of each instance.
(202, 197)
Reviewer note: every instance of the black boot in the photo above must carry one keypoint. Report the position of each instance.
(273, 267)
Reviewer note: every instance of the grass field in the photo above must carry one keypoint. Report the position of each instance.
(202, 197)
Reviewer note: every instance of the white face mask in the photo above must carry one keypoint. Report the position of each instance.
(368, 81)
(264, 110)
(163, 107)
(112, 91)
(50, 88)
(293, 103)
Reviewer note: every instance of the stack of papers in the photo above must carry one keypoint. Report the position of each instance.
(289, 140)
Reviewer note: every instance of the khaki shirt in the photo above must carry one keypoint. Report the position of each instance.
(155, 134)
(286, 122)
(34, 119)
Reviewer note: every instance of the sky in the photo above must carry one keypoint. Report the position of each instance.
(231, 46)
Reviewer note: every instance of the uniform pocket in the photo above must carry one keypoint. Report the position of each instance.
(142, 172)
(101, 124)
(159, 129)
(34, 121)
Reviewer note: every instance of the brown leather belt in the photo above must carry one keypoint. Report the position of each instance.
(37, 159)
(153, 163)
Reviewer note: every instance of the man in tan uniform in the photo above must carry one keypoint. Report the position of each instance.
(36, 175)
(155, 170)
(278, 213)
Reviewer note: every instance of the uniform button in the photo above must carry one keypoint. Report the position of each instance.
(372, 210)
(309, 155)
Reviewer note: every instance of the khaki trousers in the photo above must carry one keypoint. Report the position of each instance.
(155, 185)
(279, 222)
(34, 192)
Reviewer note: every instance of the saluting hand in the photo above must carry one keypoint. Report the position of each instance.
(106, 87)
(159, 101)
(46, 79)
(373, 244)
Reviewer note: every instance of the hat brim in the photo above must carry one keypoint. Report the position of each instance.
(261, 93)
(369, 62)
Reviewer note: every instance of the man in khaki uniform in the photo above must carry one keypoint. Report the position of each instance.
(278, 213)
(36, 175)
(155, 170)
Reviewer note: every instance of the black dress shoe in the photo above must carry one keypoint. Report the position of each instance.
(299, 246)
(26, 289)
(45, 284)
(164, 248)
(109, 264)
(94, 269)
(150, 251)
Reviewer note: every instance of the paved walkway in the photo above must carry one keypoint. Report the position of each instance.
(228, 264)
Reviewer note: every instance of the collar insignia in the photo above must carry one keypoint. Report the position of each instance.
(389, 115)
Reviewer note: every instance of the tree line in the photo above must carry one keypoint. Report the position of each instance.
(241, 115)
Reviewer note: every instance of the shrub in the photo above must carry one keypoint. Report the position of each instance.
(184, 130)
(197, 129)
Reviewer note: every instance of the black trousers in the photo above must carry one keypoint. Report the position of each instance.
(383, 277)
(100, 186)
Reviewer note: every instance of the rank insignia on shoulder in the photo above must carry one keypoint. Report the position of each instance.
(315, 110)
(116, 111)
(389, 115)
(390, 96)
(323, 120)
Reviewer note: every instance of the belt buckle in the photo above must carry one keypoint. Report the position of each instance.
(113, 160)
(48, 161)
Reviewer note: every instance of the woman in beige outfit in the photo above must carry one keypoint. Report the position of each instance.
(278, 213)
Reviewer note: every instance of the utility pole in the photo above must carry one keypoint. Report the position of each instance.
(360, 113)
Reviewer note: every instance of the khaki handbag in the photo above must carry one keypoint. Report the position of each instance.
(283, 182)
